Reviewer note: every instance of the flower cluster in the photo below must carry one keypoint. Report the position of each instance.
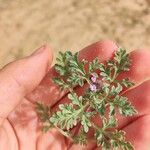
(96, 84)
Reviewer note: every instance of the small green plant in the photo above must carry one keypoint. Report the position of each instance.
(103, 92)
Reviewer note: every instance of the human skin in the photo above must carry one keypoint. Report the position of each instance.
(28, 80)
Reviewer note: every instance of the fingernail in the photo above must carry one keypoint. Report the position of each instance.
(39, 50)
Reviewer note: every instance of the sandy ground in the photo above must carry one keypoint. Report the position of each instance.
(71, 24)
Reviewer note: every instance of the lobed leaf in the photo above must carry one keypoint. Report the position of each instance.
(124, 106)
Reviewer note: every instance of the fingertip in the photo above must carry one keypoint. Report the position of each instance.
(49, 52)
(139, 69)
(141, 57)
(42, 56)
(101, 49)
(45, 51)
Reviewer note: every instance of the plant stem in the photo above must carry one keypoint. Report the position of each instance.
(115, 75)
(63, 132)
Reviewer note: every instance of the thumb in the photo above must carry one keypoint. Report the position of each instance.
(19, 78)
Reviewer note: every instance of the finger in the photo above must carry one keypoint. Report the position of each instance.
(139, 69)
(21, 77)
(138, 133)
(49, 92)
(7, 138)
(139, 97)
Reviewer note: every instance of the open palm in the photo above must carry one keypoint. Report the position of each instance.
(20, 127)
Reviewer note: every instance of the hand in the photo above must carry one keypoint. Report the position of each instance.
(19, 124)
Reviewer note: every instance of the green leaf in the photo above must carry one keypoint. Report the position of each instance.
(106, 88)
(102, 140)
(99, 136)
(110, 63)
(75, 99)
(98, 105)
(116, 90)
(106, 145)
(76, 79)
(93, 65)
(43, 111)
(122, 58)
(46, 128)
(61, 83)
(112, 122)
(118, 141)
(109, 123)
(101, 108)
(85, 122)
(76, 66)
(127, 83)
(62, 63)
(60, 69)
(44, 115)
(66, 118)
(126, 145)
(112, 110)
(74, 70)
(124, 106)
(105, 72)
(81, 138)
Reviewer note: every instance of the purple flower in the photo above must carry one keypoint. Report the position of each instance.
(93, 78)
(95, 83)
(93, 87)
